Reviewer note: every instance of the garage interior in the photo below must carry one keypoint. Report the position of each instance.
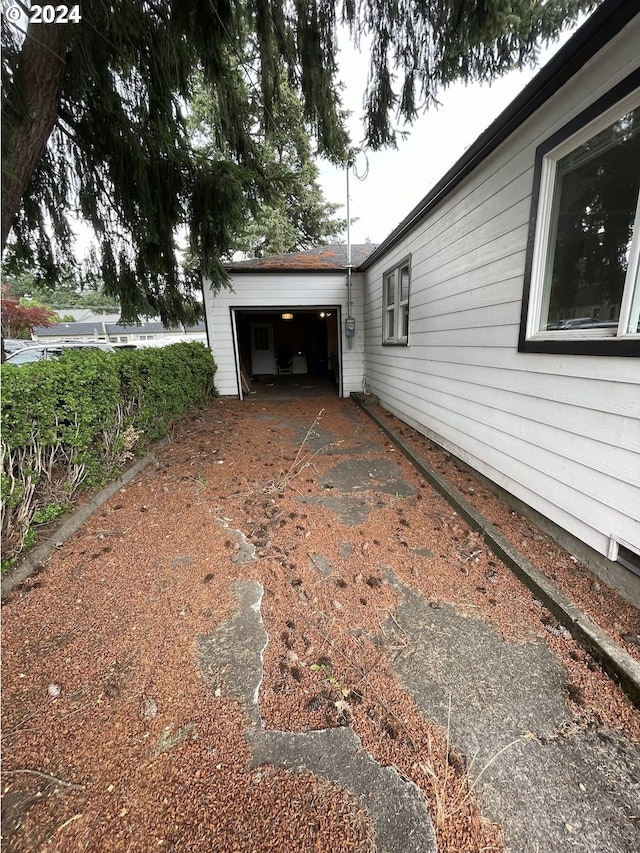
(295, 351)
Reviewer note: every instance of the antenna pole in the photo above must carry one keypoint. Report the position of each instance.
(348, 220)
(350, 323)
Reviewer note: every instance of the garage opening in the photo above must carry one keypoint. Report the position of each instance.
(288, 351)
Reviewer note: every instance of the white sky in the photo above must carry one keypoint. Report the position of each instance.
(399, 178)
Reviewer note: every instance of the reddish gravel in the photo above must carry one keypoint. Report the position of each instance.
(610, 610)
(102, 691)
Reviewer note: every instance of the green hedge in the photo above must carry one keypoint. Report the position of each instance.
(165, 382)
(75, 420)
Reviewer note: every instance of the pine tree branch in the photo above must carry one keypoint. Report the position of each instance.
(28, 117)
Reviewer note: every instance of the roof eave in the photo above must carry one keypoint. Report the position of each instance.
(605, 23)
(283, 270)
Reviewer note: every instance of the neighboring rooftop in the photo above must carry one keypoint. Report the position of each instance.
(88, 315)
(99, 327)
(331, 257)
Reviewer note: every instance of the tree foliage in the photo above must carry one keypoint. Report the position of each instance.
(291, 213)
(425, 45)
(94, 118)
(65, 294)
(21, 316)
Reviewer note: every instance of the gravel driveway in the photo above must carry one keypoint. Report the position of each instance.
(278, 637)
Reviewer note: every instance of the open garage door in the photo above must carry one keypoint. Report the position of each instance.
(288, 351)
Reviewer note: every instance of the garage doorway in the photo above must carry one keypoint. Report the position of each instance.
(292, 349)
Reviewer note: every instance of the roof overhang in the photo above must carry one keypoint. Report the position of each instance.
(601, 27)
(279, 271)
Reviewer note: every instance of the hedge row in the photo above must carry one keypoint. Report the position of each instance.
(75, 421)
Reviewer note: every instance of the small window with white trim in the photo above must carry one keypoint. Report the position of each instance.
(582, 291)
(396, 303)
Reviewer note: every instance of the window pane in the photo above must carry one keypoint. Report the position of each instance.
(261, 339)
(633, 327)
(391, 324)
(390, 283)
(404, 284)
(405, 321)
(593, 213)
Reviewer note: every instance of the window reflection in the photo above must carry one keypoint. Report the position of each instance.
(592, 222)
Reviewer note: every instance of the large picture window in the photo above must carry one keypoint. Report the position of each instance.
(582, 272)
(396, 304)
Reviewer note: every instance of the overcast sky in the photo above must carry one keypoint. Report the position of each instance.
(399, 178)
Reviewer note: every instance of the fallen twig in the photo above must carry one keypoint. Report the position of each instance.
(67, 822)
(47, 776)
(364, 676)
(18, 725)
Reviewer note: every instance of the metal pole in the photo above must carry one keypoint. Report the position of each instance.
(348, 245)
(350, 336)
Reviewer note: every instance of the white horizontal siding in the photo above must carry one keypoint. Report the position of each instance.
(517, 419)
(610, 372)
(554, 498)
(490, 236)
(560, 432)
(287, 291)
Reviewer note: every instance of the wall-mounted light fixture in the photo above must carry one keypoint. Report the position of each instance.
(287, 316)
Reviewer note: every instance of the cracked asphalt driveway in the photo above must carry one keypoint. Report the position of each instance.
(270, 643)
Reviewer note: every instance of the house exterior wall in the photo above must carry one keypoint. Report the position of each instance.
(560, 432)
(284, 291)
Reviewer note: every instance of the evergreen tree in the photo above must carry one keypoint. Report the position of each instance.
(290, 213)
(64, 293)
(94, 117)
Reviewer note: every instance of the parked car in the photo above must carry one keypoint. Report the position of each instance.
(12, 345)
(46, 352)
(582, 323)
(589, 323)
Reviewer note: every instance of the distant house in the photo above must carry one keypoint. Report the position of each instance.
(108, 328)
(501, 317)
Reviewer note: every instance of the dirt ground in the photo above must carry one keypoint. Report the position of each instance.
(113, 739)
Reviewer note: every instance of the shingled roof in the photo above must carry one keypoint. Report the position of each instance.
(331, 257)
(97, 327)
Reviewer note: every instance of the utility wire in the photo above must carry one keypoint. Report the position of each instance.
(364, 175)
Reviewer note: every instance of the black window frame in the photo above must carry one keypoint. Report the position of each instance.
(567, 346)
